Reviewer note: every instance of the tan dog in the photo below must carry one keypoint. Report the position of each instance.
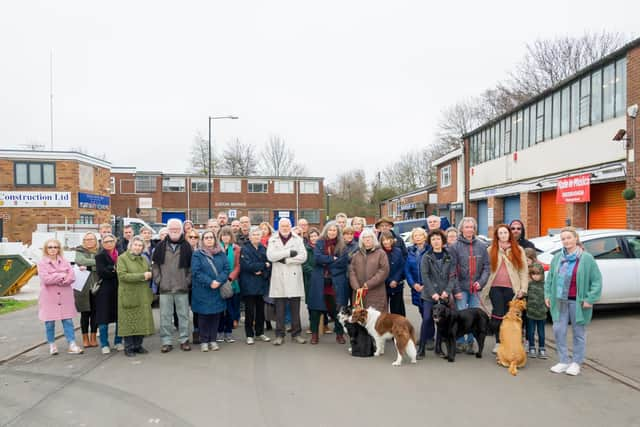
(511, 353)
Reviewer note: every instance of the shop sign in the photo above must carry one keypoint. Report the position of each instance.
(93, 201)
(35, 199)
(574, 189)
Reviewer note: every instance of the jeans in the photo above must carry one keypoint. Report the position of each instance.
(567, 313)
(104, 335)
(234, 307)
(427, 329)
(67, 327)
(396, 304)
(500, 297)
(468, 301)
(281, 304)
(181, 302)
(532, 325)
(208, 327)
(253, 312)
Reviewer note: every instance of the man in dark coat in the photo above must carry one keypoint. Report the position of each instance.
(123, 242)
(242, 238)
(517, 229)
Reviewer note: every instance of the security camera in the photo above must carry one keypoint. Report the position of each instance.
(619, 136)
(632, 111)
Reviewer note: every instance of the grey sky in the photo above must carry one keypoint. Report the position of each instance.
(345, 83)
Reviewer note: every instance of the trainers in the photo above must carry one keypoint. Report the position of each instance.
(532, 353)
(229, 338)
(119, 347)
(204, 347)
(278, 341)
(495, 348)
(53, 350)
(250, 341)
(461, 347)
(106, 350)
(299, 339)
(470, 349)
(74, 349)
(213, 346)
(264, 338)
(542, 354)
(559, 368)
(430, 346)
(573, 369)
(220, 338)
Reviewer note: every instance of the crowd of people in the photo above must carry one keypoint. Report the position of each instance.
(211, 277)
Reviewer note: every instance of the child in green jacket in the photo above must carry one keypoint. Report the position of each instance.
(536, 311)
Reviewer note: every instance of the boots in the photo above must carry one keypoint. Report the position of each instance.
(314, 338)
(196, 337)
(420, 354)
(92, 340)
(85, 340)
(340, 339)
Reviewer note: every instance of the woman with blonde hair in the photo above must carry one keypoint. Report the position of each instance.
(412, 270)
(267, 231)
(85, 300)
(56, 295)
(107, 295)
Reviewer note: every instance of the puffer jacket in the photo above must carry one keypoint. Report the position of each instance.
(438, 276)
(472, 262)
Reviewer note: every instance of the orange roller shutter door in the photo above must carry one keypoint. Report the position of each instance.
(607, 208)
(552, 214)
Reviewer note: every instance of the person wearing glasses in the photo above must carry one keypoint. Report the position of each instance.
(85, 300)
(231, 316)
(106, 299)
(56, 296)
(135, 319)
(517, 229)
(193, 238)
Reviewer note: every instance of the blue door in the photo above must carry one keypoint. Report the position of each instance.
(511, 208)
(483, 220)
(278, 215)
(166, 216)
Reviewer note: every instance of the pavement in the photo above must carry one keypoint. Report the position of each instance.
(321, 385)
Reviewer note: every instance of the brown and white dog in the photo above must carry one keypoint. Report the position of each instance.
(385, 326)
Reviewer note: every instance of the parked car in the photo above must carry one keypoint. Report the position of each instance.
(617, 253)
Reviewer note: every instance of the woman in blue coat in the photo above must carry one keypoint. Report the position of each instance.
(328, 279)
(209, 271)
(412, 266)
(394, 282)
(255, 271)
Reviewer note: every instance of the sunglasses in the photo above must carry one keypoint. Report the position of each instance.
(53, 247)
(516, 228)
(194, 237)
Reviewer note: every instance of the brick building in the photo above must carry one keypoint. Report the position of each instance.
(156, 196)
(562, 137)
(416, 204)
(51, 187)
(450, 185)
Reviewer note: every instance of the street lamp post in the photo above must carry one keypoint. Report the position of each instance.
(209, 168)
(328, 195)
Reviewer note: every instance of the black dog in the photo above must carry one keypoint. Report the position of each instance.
(362, 344)
(453, 324)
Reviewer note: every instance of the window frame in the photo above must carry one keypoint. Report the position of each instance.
(278, 182)
(170, 189)
(252, 183)
(445, 171)
(28, 173)
(303, 184)
(198, 182)
(224, 182)
(304, 213)
(152, 178)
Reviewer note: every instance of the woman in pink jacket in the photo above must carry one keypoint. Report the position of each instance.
(56, 296)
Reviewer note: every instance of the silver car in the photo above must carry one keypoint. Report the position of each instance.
(617, 253)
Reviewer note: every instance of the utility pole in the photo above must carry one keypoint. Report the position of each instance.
(51, 95)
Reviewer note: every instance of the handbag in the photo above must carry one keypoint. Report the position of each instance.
(95, 287)
(226, 290)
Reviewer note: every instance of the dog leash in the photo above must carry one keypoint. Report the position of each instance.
(360, 294)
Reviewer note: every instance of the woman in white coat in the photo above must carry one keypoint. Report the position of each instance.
(287, 253)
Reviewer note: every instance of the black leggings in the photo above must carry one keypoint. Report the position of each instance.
(254, 313)
(500, 298)
(88, 318)
(396, 304)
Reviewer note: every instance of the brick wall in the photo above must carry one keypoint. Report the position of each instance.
(633, 97)
(448, 194)
(529, 213)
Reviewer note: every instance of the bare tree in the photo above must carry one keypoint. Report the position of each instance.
(279, 160)
(199, 159)
(239, 159)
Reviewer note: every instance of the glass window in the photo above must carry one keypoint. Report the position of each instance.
(514, 132)
(21, 174)
(35, 174)
(283, 187)
(112, 185)
(48, 174)
(518, 131)
(564, 110)
(145, 184)
(309, 187)
(621, 87)
(525, 129)
(540, 122)
(634, 245)
(482, 146)
(547, 118)
(596, 96)
(200, 185)
(585, 101)
(257, 187)
(445, 176)
(85, 219)
(230, 185)
(532, 125)
(311, 215)
(256, 216)
(507, 135)
(171, 185)
(575, 106)
(498, 135)
(604, 248)
(608, 91)
(200, 215)
(556, 115)
(472, 151)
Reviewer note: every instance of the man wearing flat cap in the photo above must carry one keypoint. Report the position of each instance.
(386, 224)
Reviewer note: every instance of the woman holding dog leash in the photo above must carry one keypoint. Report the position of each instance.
(573, 285)
(509, 277)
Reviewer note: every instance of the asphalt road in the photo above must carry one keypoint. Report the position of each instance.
(321, 385)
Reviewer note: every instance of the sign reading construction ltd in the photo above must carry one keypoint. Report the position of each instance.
(574, 189)
(35, 199)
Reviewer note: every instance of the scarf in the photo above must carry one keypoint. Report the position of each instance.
(565, 272)
(185, 252)
(285, 239)
(113, 254)
(212, 251)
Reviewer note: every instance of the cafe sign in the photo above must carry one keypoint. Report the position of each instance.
(574, 189)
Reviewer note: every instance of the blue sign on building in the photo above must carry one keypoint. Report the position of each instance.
(93, 201)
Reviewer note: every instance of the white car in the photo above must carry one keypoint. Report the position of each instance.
(617, 253)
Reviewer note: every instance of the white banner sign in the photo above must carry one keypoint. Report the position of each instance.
(35, 199)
